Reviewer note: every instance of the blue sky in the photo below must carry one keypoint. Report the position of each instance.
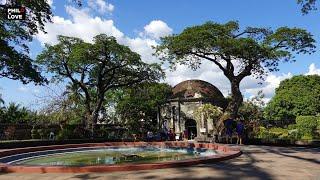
(140, 23)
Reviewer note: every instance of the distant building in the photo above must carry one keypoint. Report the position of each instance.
(187, 96)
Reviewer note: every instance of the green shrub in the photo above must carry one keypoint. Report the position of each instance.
(9, 132)
(294, 134)
(279, 132)
(65, 133)
(41, 133)
(34, 133)
(292, 127)
(307, 126)
(264, 133)
(307, 137)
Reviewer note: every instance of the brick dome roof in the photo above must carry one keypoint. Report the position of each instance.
(196, 89)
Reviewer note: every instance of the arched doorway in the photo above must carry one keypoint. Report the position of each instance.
(191, 127)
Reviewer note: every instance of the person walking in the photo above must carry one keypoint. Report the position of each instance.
(229, 129)
(240, 131)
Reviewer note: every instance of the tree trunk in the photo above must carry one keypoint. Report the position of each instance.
(95, 113)
(236, 99)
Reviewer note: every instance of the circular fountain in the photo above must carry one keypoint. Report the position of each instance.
(112, 156)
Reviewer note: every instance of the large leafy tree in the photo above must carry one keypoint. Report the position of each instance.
(14, 113)
(210, 114)
(93, 69)
(307, 5)
(15, 62)
(297, 96)
(251, 110)
(142, 102)
(238, 53)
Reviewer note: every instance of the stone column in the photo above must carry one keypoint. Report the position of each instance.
(178, 116)
(173, 118)
(158, 117)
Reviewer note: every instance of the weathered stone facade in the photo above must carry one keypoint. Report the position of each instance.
(178, 112)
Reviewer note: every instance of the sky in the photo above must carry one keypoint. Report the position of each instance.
(139, 24)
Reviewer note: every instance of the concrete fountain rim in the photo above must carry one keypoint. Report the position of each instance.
(225, 152)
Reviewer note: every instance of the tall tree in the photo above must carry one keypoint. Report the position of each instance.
(251, 110)
(142, 102)
(96, 68)
(15, 62)
(299, 95)
(307, 5)
(238, 54)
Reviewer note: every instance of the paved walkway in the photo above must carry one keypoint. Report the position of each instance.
(257, 162)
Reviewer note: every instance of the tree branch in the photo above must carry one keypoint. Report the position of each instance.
(210, 59)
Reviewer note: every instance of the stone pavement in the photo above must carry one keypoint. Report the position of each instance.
(257, 162)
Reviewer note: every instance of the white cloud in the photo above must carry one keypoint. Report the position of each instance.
(156, 29)
(207, 72)
(142, 46)
(36, 91)
(101, 5)
(313, 70)
(23, 89)
(84, 26)
(3, 2)
(268, 87)
(80, 25)
(28, 89)
(50, 2)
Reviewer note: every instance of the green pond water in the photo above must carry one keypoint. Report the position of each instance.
(113, 156)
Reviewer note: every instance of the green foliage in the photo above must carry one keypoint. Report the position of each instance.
(66, 133)
(252, 109)
(262, 133)
(297, 96)
(142, 102)
(34, 133)
(14, 38)
(253, 51)
(94, 69)
(318, 122)
(41, 133)
(9, 132)
(224, 41)
(307, 125)
(14, 113)
(272, 133)
(305, 129)
(210, 113)
(307, 5)
(279, 132)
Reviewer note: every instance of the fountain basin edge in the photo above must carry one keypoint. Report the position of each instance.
(225, 153)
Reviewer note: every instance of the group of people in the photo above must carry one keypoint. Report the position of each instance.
(237, 126)
(231, 127)
(164, 135)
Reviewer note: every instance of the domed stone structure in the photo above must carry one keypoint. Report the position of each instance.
(177, 114)
(198, 89)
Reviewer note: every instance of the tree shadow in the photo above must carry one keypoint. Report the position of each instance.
(246, 166)
(86, 176)
(287, 152)
(232, 169)
(239, 168)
